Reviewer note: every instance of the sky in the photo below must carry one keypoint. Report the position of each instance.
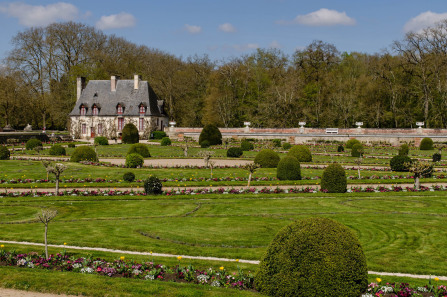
(223, 29)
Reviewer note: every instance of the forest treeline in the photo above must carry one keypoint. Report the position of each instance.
(405, 83)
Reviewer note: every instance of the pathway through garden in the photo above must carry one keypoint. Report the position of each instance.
(20, 293)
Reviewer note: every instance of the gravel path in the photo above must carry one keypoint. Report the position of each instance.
(20, 293)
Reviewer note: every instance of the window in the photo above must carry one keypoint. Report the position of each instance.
(120, 124)
(83, 110)
(95, 110)
(141, 125)
(119, 109)
(100, 129)
(84, 129)
(142, 110)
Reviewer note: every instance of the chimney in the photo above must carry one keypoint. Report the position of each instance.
(113, 82)
(80, 86)
(136, 81)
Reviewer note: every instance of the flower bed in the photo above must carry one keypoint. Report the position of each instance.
(377, 289)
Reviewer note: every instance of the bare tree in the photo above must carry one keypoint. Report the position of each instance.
(419, 169)
(358, 161)
(211, 164)
(45, 217)
(251, 167)
(56, 169)
(206, 155)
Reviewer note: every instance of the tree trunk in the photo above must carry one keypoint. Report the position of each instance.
(416, 183)
(249, 180)
(46, 244)
(57, 186)
(358, 169)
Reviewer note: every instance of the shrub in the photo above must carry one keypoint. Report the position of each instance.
(71, 145)
(267, 159)
(205, 144)
(340, 148)
(288, 169)
(101, 140)
(153, 185)
(129, 177)
(57, 150)
(276, 142)
(351, 142)
(83, 153)
(301, 153)
(130, 134)
(4, 153)
(404, 150)
(234, 152)
(436, 157)
(139, 148)
(426, 144)
(32, 143)
(313, 257)
(165, 141)
(286, 146)
(134, 160)
(334, 179)
(397, 163)
(357, 150)
(247, 145)
(212, 134)
(158, 134)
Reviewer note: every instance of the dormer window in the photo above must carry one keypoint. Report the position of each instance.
(142, 110)
(119, 109)
(95, 110)
(83, 110)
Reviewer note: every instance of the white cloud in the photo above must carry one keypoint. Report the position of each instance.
(275, 44)
(116, 21)
(193, 29)
(227, 28)
(424, 20)
(245, 47)
(322, 17)
(39, 15)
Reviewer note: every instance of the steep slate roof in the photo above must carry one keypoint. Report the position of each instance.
(99, 92)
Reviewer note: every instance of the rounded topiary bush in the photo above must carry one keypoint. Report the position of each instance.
(83, 153)
(267, 159)
(247, 146)
(129, 177)
(134, 160)
(351, 142)
(130, 134)
(153, 186)
(426, 144)
(205, 144)
(436, 157)
(32, 143)
(158, 134)
(357, 150)
(165, 141)
(286, 146)
(234, 152)
(313, 257)
(71, 145)
(334, 179)
(57, 150)
(4, 153)
(340, 148)
(276, 142)
(101, 140)
(288, 169)
(211, 134)
(404, 150)
(397, 163)
(301, 153)
(139, 148)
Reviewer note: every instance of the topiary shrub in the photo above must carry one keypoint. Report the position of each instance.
(165, 141)
(158, 134)
(247, 145)
(71, 145)
(129, 177)
(313, 257)
(4, 153)
(436, 157)
(32, 143)
(101, 140)
(404, 150)
(83, 153)
(286, 146)
(134, 160)
(426, 144)
(276, 142)
(267, 159)
(205, 144)
(212, 134)
(139, 148)
(301, 153)
(351, 142)
(334, 179)
(130, 134)
(234, 152)
(397, 163)
(288, 169)
(357, 150)
(153, 186)
(340, 148)
(57, 150)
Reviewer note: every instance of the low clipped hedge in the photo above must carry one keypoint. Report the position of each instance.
(84, 153)
(153, 186)
(357, 150)
(32, 143)
(139, 148)
(397, 163)
(247, 145)
(134, 160)
(57, 150)
(165, 141)
(4, 153)
(436, 157)
(101, 140)
(340, 148)
(267, 159)
(205, 144)
(276, 142)
(286, 146)
(301, 153)
(130, 134)
(234, 152)
(288, 169)
(313, 257)
(334, 179)
(351, 142)
(404, 150)
(129, 177)
(158, 134)
(426, 144)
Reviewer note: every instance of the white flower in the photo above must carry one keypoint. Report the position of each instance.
(87, 270)
(203, 278)
(21, 262)
(149, 276)
(215, 284)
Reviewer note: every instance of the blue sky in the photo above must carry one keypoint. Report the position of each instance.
(228, 28)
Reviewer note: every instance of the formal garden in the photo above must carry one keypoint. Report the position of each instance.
(239, 218)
